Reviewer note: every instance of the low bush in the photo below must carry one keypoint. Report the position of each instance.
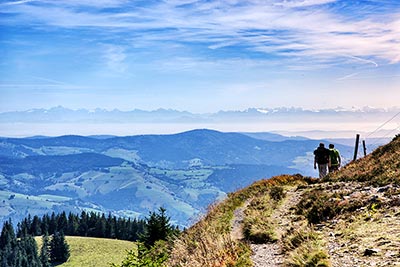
(277, 193)
(317, 206)
(259, 231)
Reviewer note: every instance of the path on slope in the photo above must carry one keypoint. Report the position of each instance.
(270, 254)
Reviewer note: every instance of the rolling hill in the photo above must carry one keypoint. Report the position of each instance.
(130, 176)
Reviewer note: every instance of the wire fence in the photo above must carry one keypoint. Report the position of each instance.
(373, 142)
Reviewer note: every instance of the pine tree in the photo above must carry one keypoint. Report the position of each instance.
(110, 227)
(59, 249)
(53, 224)
(35, 229)
(73, 224)
(45, 224)
(83, 225)
(157, 228)
(7, 234)
(45, 252)
(8, 245)
(62, 222)
(100, 226)
(28, 252)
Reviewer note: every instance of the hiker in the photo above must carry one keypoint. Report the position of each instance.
(334, 158)
(321, 157)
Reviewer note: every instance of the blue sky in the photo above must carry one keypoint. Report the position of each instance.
(200, 56)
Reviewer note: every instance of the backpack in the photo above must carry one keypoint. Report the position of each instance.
(321, 155)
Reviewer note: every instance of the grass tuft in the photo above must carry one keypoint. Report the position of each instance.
(308, 254)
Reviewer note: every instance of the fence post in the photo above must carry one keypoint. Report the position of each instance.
(365, 148)
(356, 147)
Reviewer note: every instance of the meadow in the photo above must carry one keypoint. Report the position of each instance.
(94, 252)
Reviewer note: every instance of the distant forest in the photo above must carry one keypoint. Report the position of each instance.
(87, 224)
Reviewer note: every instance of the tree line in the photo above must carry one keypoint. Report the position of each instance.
(23, 251)
(86, 224)
(20, 248)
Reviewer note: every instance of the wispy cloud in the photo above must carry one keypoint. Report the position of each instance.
(310, 29)
(348, 76)
(39, 82)
(115, 57)
(303, 3)
(50, 81)
(10, 3)
(364, 60)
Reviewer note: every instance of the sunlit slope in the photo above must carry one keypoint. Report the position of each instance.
(94, 252)
(350, 218)
(380, 167)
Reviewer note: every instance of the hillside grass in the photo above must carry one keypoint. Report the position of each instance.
(381, 167)
(316, 222)
(94, 252)
(209, 243)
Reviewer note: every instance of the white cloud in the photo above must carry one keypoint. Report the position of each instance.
(278, 27)
(303, 3)
(16, 2)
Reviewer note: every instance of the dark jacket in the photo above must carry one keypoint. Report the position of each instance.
(321, 155)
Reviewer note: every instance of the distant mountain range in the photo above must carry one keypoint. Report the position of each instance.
(60, 114)
(133, 175)
(101, 123)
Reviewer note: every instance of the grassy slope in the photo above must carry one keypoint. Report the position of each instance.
(335, 222)
(94, 252)
(209, 242)
(381, 167)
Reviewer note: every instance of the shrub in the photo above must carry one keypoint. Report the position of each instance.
(317, 206)
(277, 193)
(259, 232)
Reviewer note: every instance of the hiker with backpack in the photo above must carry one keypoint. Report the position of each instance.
(321, 157)
(334, 158)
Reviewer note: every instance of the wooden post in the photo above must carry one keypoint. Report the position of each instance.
(365, 148)
(356, 146)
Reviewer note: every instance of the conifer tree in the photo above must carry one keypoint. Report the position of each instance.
(53, 224)
(59, 249)
(7, 234)
(45, 252)
(73, 224)
(62, 222)
(8, 245)
(45, 224)
(35, 228)
(157, 227)
(27, 252)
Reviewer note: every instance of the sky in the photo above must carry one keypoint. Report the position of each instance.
(199, 55)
